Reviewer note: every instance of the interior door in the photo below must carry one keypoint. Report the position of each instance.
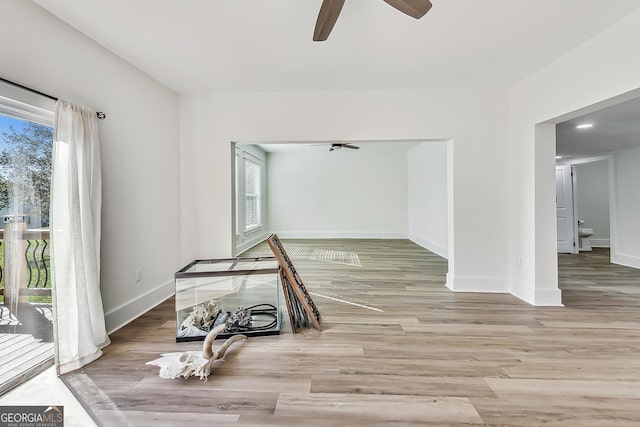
(564, 210)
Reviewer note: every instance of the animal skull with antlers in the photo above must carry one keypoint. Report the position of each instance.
(188, 363)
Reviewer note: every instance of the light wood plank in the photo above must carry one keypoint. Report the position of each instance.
(377, 408)
(401, 385)
(563, 389)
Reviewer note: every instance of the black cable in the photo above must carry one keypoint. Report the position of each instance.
(271, 311)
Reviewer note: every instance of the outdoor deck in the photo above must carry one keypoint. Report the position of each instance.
(26, 331)
(26, 342)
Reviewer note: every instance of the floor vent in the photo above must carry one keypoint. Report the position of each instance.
(337, 257)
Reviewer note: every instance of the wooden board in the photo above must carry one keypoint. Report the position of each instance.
(287, 298)
(294, 281)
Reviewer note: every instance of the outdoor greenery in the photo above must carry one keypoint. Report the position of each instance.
(25, 184)
(25, 170)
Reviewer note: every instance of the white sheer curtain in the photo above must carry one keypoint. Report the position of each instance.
(76, 198)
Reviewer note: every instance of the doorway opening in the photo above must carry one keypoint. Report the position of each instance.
(585, 203)
(365, 189)
(597, 203)
(605, 133)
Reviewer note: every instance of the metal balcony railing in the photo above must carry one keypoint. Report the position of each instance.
(25, 263)
(26, 316)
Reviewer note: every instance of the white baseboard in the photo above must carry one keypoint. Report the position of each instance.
(431, 247)
(519, 290)
(539, 297)
(337, 235)
(250, 243)
(626, 260)
(477, 284)
(126, 313)
(548, 297)
(600, 243)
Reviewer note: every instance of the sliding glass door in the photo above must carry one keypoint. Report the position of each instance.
(26, 331)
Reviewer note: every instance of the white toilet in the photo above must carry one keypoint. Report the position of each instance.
(585, 242)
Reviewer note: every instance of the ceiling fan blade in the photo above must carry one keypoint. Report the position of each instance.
(327, 17)
(340, 145)
(414, 8)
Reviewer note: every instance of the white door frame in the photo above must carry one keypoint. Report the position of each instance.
(610, 159)
(565, 193)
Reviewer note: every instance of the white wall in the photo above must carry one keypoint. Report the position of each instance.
(603, 67)
(627, 251)
(592, 196)
(139, 149)
(427, 184)
(473, 119)
(343, 193)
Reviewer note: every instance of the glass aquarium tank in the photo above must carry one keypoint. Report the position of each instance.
(243, 293)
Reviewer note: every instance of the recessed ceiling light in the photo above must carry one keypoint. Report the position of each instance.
(585, 126)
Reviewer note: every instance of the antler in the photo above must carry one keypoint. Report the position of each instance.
(207, 345)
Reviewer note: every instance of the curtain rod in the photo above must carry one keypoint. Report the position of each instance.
(99, 114)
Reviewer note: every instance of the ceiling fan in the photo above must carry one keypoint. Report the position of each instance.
(338, 146)
(330, 10)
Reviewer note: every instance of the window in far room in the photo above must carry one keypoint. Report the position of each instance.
(249, 186)
(252, 194)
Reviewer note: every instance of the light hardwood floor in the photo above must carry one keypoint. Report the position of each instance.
(398, 348)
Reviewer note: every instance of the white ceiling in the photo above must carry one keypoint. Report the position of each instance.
(265, 45)
(289, 146)
(614, 128)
